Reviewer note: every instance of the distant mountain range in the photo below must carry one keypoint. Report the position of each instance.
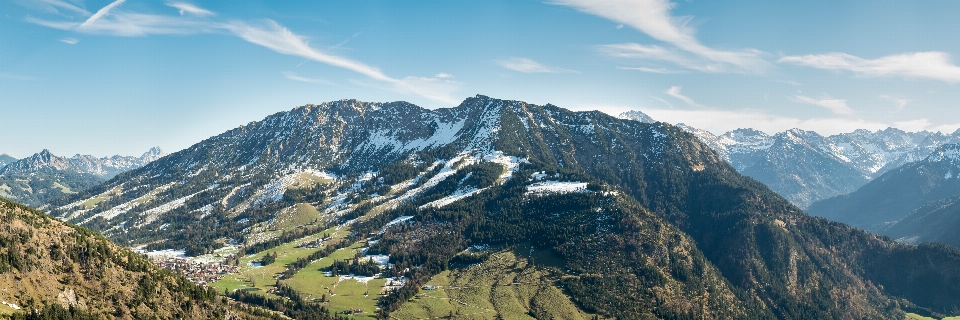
(916, 202)
(805, 167)
(37, 179)
(6, 159)
(634, 220)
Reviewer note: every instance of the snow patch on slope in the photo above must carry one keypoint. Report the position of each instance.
(453, 197)
(557, 187)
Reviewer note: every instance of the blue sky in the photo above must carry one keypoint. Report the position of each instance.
(118, 77)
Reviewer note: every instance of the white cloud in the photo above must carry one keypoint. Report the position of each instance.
(69, 40)
(664, 101)
(437, 89)
(653, 18)
(52, 5)
(275, 37)
(444, 76)
(928, 65)
(674, 91)
(913, 125)
(270, 35)
(14, 76)
(529, 66)
(652, 70)
(100, 13)
(189, 8)
(721, 121)
(134, 24)
(295, 77)
(900, 102)
(838, 106)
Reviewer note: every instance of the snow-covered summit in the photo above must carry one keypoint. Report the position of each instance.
(636, 116)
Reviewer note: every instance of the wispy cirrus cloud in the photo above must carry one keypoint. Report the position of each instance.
(674, 91)
(295, 77)
(652, 70)
(273, 36)
(529, 66)
(837, 106)
(126, 24)
(189, 8)
(100, 13)
(932, 65)
(653, 18)
(52, 5)
(15, 77)
(900, 102)
(70, 40)
(268, 34)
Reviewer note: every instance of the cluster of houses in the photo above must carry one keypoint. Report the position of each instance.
(313, 244)
(391, 285)
(197, 272)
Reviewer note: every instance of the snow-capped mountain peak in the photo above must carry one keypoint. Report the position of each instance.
(636, 116)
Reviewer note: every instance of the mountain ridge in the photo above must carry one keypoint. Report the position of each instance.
(894, 195)
(42, 177)
(806, 167)
(690, 224)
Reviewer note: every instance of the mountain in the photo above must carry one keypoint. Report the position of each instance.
(607, 217)
(935, 221)
(105, 168)
(806, 167)
(6, 159)
(895, 194)
(60, 271)
(798, 167)
(37, 179)
(637, 116)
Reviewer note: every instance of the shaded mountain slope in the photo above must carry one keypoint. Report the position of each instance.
(895, 194)
(936, 221)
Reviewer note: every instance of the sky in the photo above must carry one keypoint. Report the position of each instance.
(120, 76)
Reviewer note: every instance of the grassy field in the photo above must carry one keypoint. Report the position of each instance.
(308, 180)
(93, 202)
(341, 293)
(504, 286)
(301, 214)
(263, 278)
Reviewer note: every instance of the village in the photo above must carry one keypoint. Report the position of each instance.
(201, 273)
